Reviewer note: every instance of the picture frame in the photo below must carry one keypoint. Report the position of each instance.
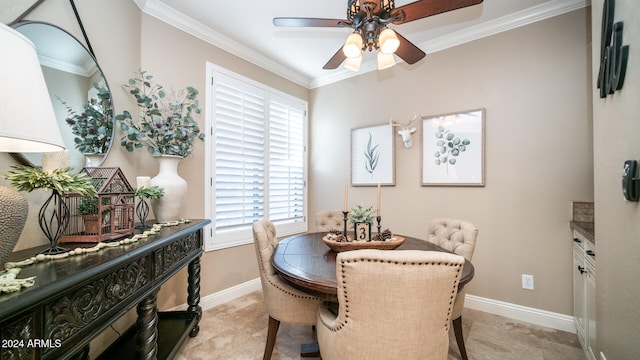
(372, 156)
(453, 149)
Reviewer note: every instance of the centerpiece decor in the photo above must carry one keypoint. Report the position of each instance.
(360, 220)
(54, 214)
(93, 128)
(167, 129)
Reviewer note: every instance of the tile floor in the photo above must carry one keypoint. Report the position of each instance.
(238, 330)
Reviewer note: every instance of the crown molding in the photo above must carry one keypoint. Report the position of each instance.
(164, 13)
(178, 20)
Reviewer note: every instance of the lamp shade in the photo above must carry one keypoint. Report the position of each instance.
(353, 63)
(388, 41)
(353, 46)
(28, 122)
(385, 60)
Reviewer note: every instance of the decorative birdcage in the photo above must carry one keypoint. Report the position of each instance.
(107, 217)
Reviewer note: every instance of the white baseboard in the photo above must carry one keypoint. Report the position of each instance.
(517, 312)
(226, 295)
(523, 313)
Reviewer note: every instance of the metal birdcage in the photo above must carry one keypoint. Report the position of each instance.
(107, 217)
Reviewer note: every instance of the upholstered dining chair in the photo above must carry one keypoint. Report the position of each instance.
(391, 305)
(459, 237)
(283, 302)
(329, 220)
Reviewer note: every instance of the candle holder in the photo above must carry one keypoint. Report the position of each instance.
(378, 219)
(142, 211)
(345, 218)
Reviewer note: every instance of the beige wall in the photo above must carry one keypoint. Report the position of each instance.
(534, 83)
(616, 129)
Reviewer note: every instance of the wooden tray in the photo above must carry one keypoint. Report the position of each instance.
(358, 245)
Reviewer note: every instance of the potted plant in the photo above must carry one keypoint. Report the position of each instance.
(142, 209)
(360, 214)
(59, 181)
(88, 208)
(167, 129)
(93, 128)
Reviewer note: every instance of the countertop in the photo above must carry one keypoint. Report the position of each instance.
(587, 229)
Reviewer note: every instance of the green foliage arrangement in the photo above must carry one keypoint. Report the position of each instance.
(165, 125)
(449, 146)
(27, 178)
(372, 154)
(361, 214)
(93, 128)
(88, 206)
(153, 192)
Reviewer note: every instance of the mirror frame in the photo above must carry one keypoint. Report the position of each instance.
(21, 158)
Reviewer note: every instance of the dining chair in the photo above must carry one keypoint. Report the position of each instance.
(283, 302)
(391, 305)
(329, 220)
(459, 237)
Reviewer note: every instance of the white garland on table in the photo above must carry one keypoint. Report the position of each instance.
(9, 282)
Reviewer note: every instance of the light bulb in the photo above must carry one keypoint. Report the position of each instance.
(353, 46)
(388, 41)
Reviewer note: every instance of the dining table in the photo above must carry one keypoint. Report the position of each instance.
(308, 264)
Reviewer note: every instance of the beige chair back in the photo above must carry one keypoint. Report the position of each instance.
(392, 305)
(457, 236)
(283, 302)
(329, 220)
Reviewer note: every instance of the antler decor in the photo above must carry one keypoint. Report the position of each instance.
(405, 131)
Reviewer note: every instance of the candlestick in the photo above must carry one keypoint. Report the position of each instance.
(344, 232)
(378, 219)
(378, 212)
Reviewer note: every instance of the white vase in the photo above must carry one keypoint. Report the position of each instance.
(169, 207)
(93, 160)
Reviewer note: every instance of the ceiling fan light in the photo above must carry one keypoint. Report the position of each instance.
(353, 63)
(385, 60)
(353, 46)
(388, 41)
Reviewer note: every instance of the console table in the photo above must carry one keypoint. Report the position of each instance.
(76, 298)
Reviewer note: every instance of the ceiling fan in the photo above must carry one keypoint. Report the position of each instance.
(369, 20)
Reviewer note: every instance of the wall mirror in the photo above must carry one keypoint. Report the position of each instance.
(79, 93)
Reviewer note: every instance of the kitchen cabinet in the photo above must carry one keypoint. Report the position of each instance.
(584, 292)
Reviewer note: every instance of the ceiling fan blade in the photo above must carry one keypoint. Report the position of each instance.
(336, 60)
(407, 51)
(424, 8)
(309, 22)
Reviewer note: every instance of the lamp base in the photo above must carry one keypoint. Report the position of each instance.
(13, 215)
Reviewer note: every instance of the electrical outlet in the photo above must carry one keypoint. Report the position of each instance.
(527, 282)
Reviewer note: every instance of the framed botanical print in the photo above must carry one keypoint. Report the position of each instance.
(453, 149)
(372, 156)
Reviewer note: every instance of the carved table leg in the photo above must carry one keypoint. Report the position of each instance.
(193, 296)
(147, 328)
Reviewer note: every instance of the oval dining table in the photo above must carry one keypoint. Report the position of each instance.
(309, 265)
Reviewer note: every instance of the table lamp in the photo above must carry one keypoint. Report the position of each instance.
(27, 124)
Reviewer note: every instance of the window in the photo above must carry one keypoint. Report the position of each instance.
(257, 159)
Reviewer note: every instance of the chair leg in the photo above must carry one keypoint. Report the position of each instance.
(457, 330)
(272, 331)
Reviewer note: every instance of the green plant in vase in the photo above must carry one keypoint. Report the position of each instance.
(93, 128)
(54, 213)
(166, 125)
